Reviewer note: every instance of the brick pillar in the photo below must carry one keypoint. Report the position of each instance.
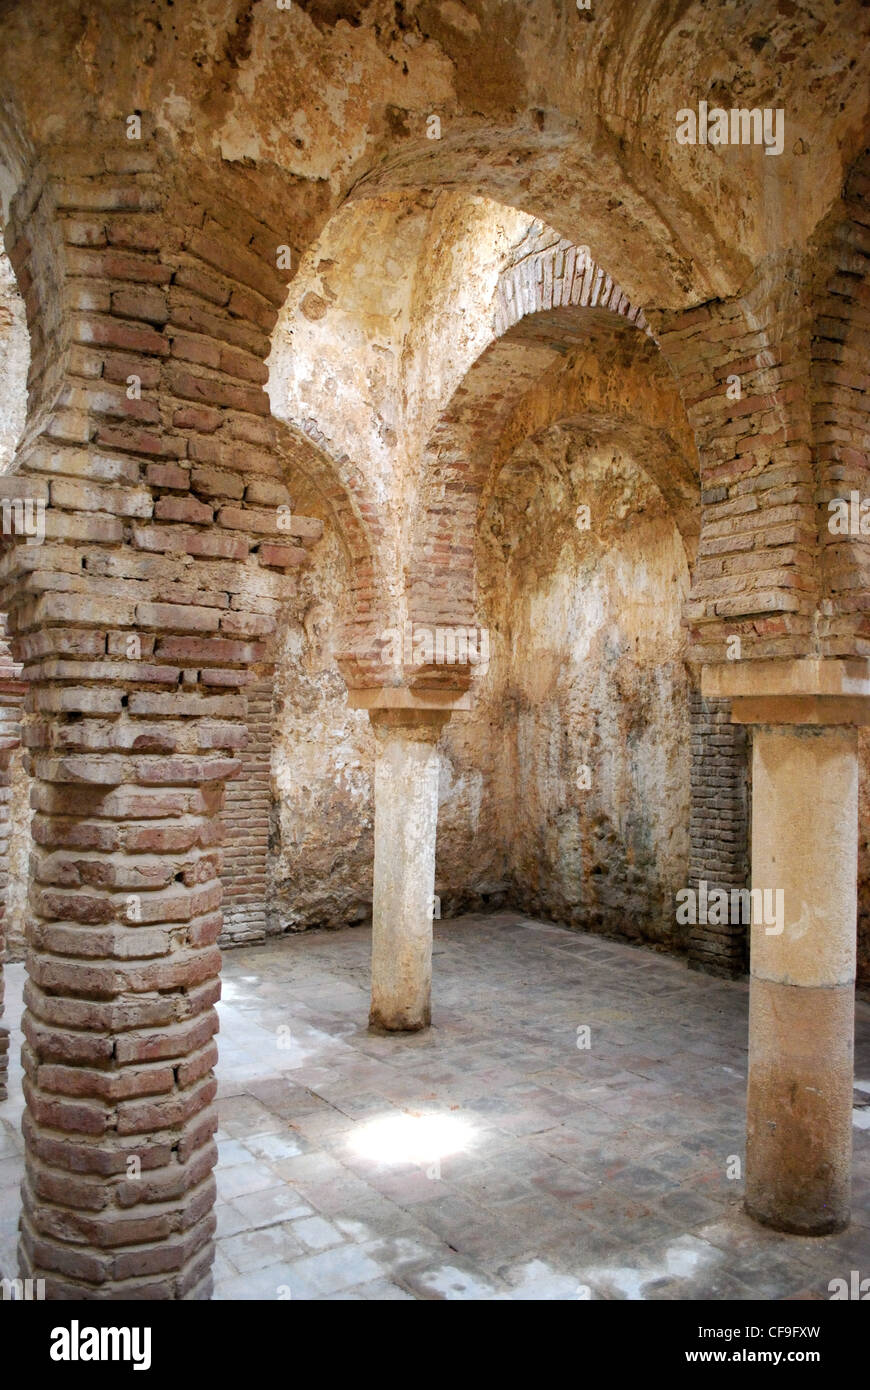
(137, 617)
(246, 824)
(719, 828)
(743, 371)
(11, 695)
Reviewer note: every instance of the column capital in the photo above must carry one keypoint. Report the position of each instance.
(807, 690)
(424, 725)
(400, 699)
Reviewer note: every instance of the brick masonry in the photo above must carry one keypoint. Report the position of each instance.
(841, 411)
(719, 829)
(246, 827)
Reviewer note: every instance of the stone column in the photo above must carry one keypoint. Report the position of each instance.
(802, 957)
(406, 817)
(802, 990)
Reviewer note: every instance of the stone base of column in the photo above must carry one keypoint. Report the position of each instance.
(799, 1107)
(383, 1021)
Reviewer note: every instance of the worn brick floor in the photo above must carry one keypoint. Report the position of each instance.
(491, 1157)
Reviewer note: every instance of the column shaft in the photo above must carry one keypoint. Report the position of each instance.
(406, 816)
(799, 1104)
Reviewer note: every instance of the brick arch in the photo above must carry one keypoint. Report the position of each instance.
(552, 301)
(349, 276)
(327, 447)
(840, 405)
(758, 571)
(546, 275)
(358, 522)
(546, 176)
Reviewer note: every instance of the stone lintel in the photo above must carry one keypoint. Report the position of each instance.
(802, 709)
(811, 690)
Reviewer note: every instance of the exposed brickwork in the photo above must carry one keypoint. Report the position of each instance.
(719, 829)
(156, 589)
(544, 275)
(360, 523)
(841, 414)
(551, 297)
(756, 571)
(246, 826)
(755, 574)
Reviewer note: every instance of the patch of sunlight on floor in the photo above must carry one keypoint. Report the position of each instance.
(412, 1138)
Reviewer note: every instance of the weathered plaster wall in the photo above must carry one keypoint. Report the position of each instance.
(321, 846)
(14, 359)
(594, 677)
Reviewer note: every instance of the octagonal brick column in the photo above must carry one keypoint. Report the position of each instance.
(139, 608)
